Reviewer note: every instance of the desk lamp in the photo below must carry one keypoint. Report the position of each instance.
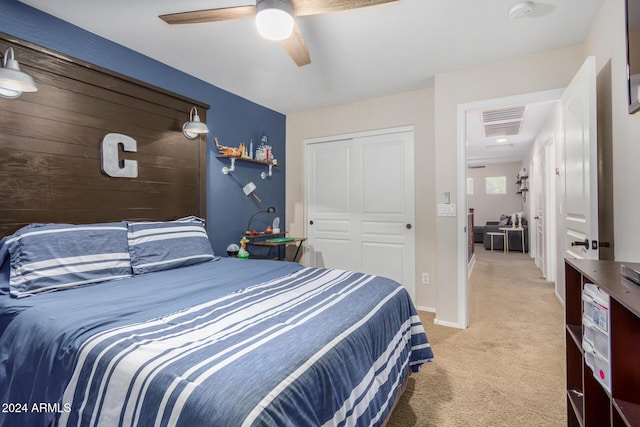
(270, 209)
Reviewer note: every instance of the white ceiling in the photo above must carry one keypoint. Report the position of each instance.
(483, 149)
(355, 55)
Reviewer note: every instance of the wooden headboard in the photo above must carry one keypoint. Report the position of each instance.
(50, 158)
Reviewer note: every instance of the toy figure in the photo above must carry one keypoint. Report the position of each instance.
(243, 253)
(228, 151)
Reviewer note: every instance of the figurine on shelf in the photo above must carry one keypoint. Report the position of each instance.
(263, 152)
(228, 151)
(243, 253)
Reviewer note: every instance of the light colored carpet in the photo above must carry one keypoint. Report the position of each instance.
(507, 368)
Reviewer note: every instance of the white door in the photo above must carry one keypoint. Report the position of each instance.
(580, 166)
(329, 193)
(539, 202)
(360, 207)
(386, 207)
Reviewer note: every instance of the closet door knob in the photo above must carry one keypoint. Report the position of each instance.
(310, 222)
(408, 226)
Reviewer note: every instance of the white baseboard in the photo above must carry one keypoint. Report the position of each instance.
(436, 321)
(472, 263)
(448, 324)
(559, 299)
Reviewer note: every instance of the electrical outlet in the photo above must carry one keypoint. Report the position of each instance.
(426, 279)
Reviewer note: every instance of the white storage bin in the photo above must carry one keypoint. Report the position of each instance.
(602, 371)
(598, 339)
(600, 366)
(595, 304)
(589, 353)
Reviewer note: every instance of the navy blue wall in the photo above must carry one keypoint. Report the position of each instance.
(232, 118)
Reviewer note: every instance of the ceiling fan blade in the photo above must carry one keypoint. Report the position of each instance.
(209, 15)
(296, 47)
(316, 7)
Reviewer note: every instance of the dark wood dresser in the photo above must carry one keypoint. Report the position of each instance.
(588, 401)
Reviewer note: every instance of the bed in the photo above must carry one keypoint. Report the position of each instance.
(139, 323)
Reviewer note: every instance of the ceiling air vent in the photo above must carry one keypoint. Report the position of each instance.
(502, 129)
(503, 121)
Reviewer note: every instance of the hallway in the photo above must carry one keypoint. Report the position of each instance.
(507, 368)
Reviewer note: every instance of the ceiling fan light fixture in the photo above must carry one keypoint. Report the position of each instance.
(274, 19)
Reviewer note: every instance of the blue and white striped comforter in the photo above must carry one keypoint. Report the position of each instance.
(314, 348)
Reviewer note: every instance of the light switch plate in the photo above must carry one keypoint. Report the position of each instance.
(446, 209)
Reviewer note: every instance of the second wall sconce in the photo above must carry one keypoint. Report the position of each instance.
(522, 183)
(194, 127)
(13, 81)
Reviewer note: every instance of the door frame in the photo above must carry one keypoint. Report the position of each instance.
(538, 167)
(463, 283)
(551, 224)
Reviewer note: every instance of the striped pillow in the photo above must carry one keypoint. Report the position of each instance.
(156, 246)
(49, 257)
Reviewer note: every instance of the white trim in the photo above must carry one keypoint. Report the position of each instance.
(559, 299)
(358, 134)
(427, 309)
(532, 211)
(463, 297)
(550, 220)
(448, 324)
(471, 264)
(462, 237)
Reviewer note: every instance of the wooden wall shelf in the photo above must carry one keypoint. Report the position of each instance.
(246, 159)
(232, 164)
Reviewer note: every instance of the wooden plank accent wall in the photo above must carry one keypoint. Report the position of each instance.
(50, 146)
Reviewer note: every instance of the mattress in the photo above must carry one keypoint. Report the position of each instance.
(228, 342)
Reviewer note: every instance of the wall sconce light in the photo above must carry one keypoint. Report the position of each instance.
(194, 127)
(13, 81)
(523, 173)
(270, 209)
(274, 19)
(522, 183)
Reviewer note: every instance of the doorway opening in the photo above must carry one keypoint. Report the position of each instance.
(501, 152)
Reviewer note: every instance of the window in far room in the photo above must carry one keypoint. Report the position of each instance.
(495, 185)
(469, 186)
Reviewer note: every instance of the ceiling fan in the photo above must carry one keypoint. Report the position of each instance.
(275, 19)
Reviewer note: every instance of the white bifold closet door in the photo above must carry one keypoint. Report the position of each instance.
(360, 204)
